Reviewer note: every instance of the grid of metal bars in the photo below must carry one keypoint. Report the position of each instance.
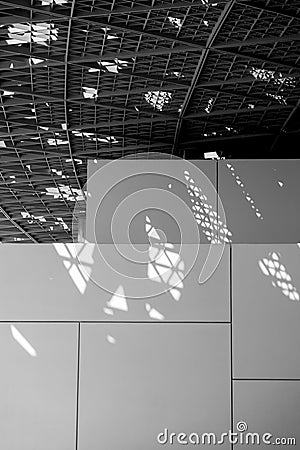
(107, 78)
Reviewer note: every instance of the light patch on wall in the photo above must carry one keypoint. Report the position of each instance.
(158, 99)
(18, 337)
(247, 196)
(78, 260)
(111, 339)
(213, 227)
(118, 300)
(154, 313)
(2, 144)
(165, 264)
(23, 33)
(281, 279)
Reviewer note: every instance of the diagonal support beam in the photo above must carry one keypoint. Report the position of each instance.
(276, 11)
(199, 115)
(283, 128)
(215, 31)
(83, 101)
(15, 224)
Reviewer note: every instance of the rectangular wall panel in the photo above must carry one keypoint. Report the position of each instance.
(138, 379)
(65, 282)
(271, 410)
(124, 194)
(266, 311)
(38, 386)
(261, 200)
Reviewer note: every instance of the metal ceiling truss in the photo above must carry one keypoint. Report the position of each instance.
(91, 79)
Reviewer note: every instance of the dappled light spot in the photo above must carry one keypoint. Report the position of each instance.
(177, 23)
(89, 92)
(23, 33)
(213, 227)
(111, 339)
(165, 265)
(57, 141)
(109, 35)
(158, 99)
(118, 300)
(8, 94)
(210, 105)
(32, 218)
(33, 61)
(76, 160)
(247, 196)
(281, 279)
(73, 195)
(154, 313)
(95, 138)
(22, 341)
(114, 66)
(78, 260)
(53, 2)
(211, 155)
(276, 78)
(59, 173)
(280, 98)
(150, 230)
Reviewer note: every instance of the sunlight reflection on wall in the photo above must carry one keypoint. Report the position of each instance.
(280, 277)
(165, 264)
(78, 260)
(213, 227)
(248, 197)
(22, 341)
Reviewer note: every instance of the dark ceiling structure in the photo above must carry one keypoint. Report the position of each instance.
(87, 79)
